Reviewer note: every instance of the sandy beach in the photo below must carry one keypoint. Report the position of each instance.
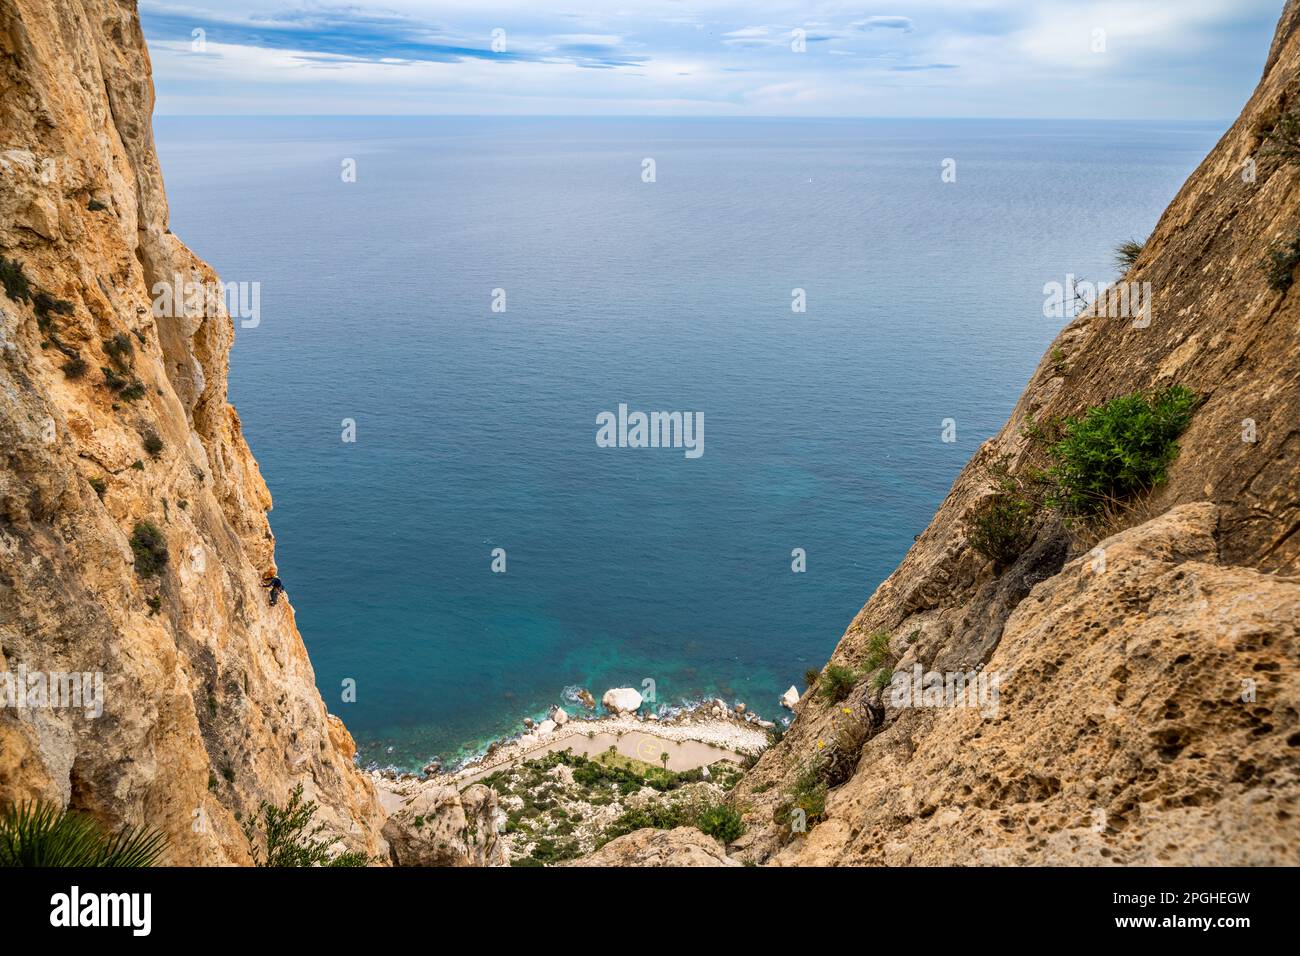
(689, 741)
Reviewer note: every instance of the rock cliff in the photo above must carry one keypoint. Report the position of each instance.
(133, 518)
(1149, 706)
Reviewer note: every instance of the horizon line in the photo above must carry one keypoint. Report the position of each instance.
(696, 116)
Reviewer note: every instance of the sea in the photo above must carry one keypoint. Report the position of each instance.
(436, 312)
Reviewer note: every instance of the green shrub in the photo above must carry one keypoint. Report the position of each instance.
(878, 652)
(1059, 365)
(289, 839)
(45, 305)
(837, 683)
(1279, 267)
(133, 392)
(1001, 527)
(152, 443)
(150, 549)
(99, 486)
(658, 816)
(75, 368)
(838, 762)
(1284, 138)
(1126, 253)
(807, 794)
(811, 676)
(46, 835)
(546, 850)
(12, 277)
(1119, 448)
(720, 821)
(95, 205)
(119, 348)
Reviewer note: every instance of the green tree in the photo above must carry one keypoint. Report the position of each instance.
(289, 839)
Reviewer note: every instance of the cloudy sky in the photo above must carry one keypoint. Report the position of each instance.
(1167, 59)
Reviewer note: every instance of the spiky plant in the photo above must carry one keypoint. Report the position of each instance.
(1126, 253)
(37, 833)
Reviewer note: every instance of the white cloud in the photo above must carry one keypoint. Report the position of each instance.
(1195, 58)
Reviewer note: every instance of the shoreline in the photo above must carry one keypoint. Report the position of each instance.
(691, 738)
(592, 719)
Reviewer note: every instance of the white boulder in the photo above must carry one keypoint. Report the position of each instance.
(621, 700)
(790, 698)
(560, 716)
(545, 727)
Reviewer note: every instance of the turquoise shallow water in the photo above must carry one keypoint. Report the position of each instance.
(476, 430)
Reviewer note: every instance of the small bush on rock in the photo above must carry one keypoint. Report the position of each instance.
(1126, 253)
(152, 443)
(1279, 267)
(150, 549)
(1119, 448)
(722, 822)
(289, 839)
(14, 280)
(837, 683)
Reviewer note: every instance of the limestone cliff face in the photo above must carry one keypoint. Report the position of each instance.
(210, 701)
(1150, 705)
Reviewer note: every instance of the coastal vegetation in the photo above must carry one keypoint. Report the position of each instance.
(836, 684)
(14, 280)
(44, 834)
(152, 443)
(1118, 449)
(289, 839)
(1279, 265)
(564, 805)
(1095, 463)
(1283, 140)
(149, 546)
(879, 656)
(832, 765)
(1001, 526)
(1126, 253)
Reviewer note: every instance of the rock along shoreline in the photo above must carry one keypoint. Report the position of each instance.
(692, 735)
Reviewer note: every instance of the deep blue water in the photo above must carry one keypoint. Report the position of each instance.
(477, 430)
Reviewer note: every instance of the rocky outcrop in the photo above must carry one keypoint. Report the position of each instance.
(684, 846)
(621, 700)
(441, 826)
(1148, 711)
(113, 422)
(1137, 721)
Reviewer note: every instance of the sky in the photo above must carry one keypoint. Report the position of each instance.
(1072, 59)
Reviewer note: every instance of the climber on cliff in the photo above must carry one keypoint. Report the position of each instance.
(270, 580)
